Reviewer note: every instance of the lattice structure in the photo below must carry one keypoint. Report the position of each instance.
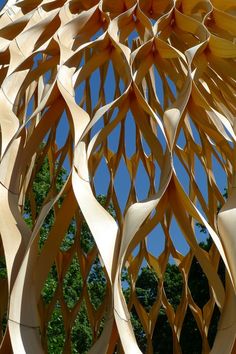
(164, 99)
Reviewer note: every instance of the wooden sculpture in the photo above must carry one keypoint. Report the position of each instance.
(49, 50)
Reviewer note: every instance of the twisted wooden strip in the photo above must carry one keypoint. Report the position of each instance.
(48, 53)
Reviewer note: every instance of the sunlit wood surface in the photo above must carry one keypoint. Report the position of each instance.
(165, 81)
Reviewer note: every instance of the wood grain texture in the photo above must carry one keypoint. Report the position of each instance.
(49, 51)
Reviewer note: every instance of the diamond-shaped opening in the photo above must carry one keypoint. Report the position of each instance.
(165, 85)
(145, 146)
(96, 87)
(66, 163)
(146, 287)
(156, 241)
(86, 238)
(201, 177)
(50, 285)
(157, 177)
(162, 339)
(45, 229)
(37, 58)
(181, 141)
(114, 138)
(30, 107)
(213, 326)
(173, 284)
(172, 88)
(64, 160)
(69, 238)
(138, 330)
(207, 244)
(132, 37)
(93, 85)
(81, 333)
(44, 180)
(122, 184)
(80, 93)
(142, 182)
(201, 233)
(96, 284)
(219, 174)
(194, 131)
(121, 85)
(159, 86)
(62, 131)
(47, 76)
(216, 152)
(130, 135)
(178, 238)
(181, 173)
(102, 178)
(56, 331)
(161, 139)
(153, 21)
(136, 250)
(198, 284)
(110, 83)
(190, 338)
(72, 283)
(97, 127)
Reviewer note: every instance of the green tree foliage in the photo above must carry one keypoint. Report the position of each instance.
(147, 293)
(146, 285)
(81, 333)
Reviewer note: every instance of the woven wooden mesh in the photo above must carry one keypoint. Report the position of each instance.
(131, 86)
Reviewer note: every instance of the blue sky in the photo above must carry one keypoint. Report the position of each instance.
(156, 239)
(2, 3)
